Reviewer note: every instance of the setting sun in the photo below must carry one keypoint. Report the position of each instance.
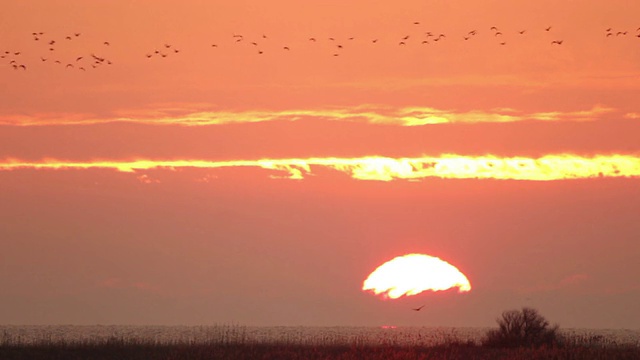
(412, 274)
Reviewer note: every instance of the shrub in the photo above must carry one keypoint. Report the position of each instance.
(522, 328)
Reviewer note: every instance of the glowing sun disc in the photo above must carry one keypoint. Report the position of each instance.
(412, 274)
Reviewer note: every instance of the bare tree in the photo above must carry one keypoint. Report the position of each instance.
(524, 327)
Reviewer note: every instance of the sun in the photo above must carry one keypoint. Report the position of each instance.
(412, 274)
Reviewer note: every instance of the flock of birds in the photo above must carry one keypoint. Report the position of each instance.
(16, 59)
(83, 62)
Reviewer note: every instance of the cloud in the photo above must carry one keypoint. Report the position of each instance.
(200, 115)
(448, 166)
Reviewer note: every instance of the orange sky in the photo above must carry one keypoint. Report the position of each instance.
(246, 178)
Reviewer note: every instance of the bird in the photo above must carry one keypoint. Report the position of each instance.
(559, 42)
(401, 43)
(77, 34)
(374, 41)
(494, 28)
(79, 58)
(286, 48)
(418, 308)
(107, 43)
(521, 32)
(547, 28)
(497, 33)
(416, 23)
(312, 39)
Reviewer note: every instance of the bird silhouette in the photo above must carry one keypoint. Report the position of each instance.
(418, 308)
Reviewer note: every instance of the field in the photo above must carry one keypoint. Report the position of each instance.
(232, 344)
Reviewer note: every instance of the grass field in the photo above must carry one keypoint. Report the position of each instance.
(233, 346)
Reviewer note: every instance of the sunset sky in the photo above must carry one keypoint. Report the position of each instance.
(208, 162)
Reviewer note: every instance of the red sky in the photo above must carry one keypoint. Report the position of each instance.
(253, 197)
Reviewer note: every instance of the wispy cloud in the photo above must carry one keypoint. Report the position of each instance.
(198, 115)
(448, 166)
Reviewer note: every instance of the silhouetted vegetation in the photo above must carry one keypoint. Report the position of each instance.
(522, 328)
(232, 343)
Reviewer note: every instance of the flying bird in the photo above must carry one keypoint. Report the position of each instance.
(418, 308)
(559, 42)
(548, 28)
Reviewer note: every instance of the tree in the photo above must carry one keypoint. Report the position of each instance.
(524, 327)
